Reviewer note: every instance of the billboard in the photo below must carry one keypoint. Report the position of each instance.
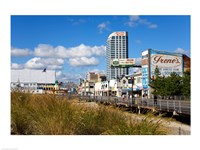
(166, 62)
(122, 63)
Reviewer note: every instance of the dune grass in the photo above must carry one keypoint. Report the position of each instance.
(51, 115)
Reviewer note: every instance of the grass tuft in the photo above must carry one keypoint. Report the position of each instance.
(50, 115)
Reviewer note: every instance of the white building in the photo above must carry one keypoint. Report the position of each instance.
(117, 48)
(98, 90)
(114, 84)
(32, 80)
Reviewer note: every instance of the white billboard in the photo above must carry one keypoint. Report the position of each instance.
(123, 63)
(166, 62)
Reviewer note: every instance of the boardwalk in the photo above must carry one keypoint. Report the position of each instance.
(177, 107)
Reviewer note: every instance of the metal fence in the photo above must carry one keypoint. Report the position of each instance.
(176, 97)
(175, 106)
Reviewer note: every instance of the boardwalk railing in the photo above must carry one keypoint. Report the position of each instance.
(175, 106)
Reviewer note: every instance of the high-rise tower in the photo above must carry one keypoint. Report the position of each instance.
(117, 48)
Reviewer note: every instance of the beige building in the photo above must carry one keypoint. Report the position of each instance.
(95, 77)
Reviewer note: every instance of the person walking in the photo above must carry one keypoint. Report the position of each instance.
(155, 99)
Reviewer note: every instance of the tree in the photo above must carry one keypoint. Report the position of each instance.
(186, 84)
(174, 84)
(157, 83)
(171, 85)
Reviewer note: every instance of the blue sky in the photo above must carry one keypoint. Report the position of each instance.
(75, 45)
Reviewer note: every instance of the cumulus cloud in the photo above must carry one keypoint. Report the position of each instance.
(75, 77)
(16, 66)
(136, 20)
(20, 52)
(182, 51)
(58, 74)
(83, 61)
(51, 57)
(45, 50)
(103, 26)
(40, 63)
(34, 63)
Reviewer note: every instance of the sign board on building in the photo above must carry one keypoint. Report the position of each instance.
(120, 33)
(145, 69)
(123, 63)
(166, 62)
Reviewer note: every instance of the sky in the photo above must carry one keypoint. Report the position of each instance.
(76, 45)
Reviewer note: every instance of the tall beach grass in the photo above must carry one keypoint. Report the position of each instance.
(51, 115)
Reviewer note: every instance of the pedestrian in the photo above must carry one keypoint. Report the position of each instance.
(144, 97)
(155, 99)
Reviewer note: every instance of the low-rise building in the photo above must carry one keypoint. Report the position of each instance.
(34, 81)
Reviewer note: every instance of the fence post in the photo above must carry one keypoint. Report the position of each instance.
(147, 102)
(174, 105)
(167, 106)
(160, 104)
(179, 106)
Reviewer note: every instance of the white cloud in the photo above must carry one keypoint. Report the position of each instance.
(16, 66)
(20, 52)
(40, 63)
(83, 61)
(103, 26)
(54, 67)
(182, 51)
(136, 20)
(65, 77)
(51, 61)
(58, 74)
(34, 63)
(45, 50)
